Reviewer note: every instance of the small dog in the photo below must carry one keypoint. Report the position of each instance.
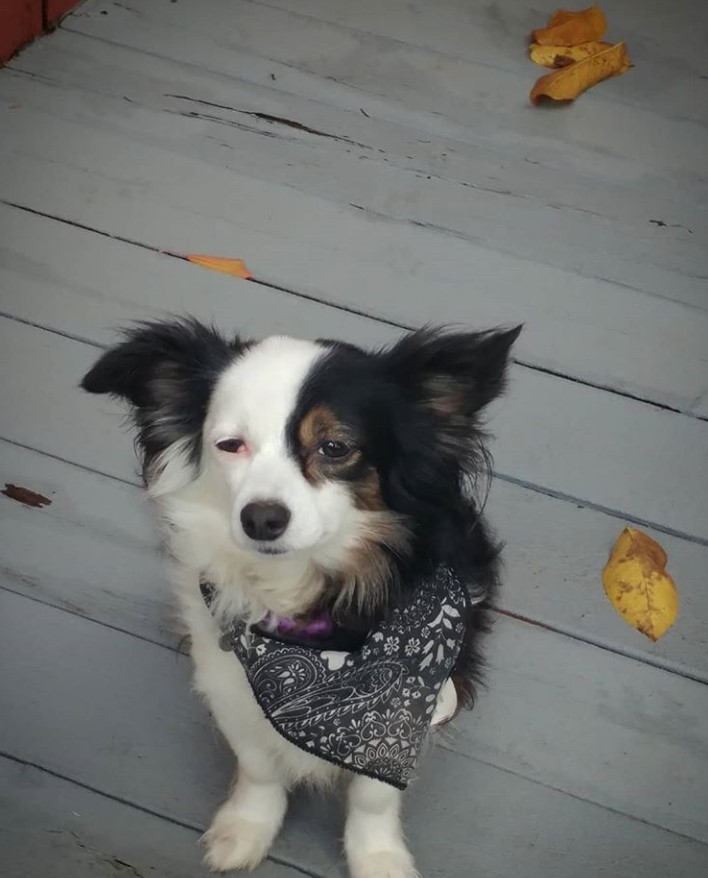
(320, 509)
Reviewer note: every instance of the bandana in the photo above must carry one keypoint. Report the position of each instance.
(365, 709)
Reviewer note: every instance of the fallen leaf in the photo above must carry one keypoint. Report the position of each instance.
(568, 82)
(25, 496)
(637, 584)
(234, 267)
(572, 28)
(563, 56)
(562, 15)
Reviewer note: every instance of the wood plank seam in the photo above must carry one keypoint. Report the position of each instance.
(674, 396)
(598, 507)
(282, 861)
(275, 119)
(632, 655)
(77, 32)
(514, 773)
(457, 233)
(588, 275)
(182, 824)
(625, 652)
(88, 469)
(611, 99)
(580, 502)
(688, 412)
(563, 631)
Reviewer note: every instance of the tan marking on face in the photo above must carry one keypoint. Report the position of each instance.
(366, 492)
(363, 580)
(319, 425)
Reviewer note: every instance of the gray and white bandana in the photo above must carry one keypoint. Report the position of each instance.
(368, 710)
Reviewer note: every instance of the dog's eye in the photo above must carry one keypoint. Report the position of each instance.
(335, 450)
(231, 446)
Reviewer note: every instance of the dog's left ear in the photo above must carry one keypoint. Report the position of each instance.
(166, 370)
(456, 374)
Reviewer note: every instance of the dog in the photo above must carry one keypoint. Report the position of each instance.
(318, 500)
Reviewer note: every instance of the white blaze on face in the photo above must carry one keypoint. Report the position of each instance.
(253, 401)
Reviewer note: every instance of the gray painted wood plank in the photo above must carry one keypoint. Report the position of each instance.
(136, 732)
(669, 738)
(183, 203)
(700, 407)
(52, 827)
(247, 82)
(390, 182)
(553, 557)
(93, 287)
(94, 550)
(666, 72)
(380, 56)
(566, 438)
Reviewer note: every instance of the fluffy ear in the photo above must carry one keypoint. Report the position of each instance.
(455, 374)
(166, 371)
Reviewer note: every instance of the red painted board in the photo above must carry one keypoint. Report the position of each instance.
(20, 20)
(57, 8)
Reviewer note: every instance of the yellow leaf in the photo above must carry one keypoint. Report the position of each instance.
(568, 82)
(637, 584)
(563, 56)
(572, 28)
(234, 267)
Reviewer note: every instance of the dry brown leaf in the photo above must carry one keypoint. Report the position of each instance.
(234, 267)
(568, 82)
(562, 15)
(637, 584)
(564, 56)
(572, 28)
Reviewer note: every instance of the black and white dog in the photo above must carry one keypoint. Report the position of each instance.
(330, 560)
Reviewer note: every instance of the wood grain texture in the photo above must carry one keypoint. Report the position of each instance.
(147, 739)
(590, 283)
(438, 46)
(562, 437)
(553, 558)
(667, 70)
(471, 195)
(50, 826)
(377, 158)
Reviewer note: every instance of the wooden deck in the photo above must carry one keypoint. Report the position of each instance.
(378, 166)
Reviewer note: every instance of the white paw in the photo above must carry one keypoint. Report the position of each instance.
(233, 842)
(385, 864)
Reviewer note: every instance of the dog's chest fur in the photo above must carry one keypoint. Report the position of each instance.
(220, 679)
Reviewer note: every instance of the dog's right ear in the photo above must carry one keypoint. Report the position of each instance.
(155, 353)
(166, 371)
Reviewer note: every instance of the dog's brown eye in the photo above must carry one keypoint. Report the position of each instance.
(334, 450)
(231, 446)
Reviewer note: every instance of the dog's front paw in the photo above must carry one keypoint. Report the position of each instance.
(232, 842)
(384, 864)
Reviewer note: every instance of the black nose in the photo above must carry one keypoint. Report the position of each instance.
(264, 520)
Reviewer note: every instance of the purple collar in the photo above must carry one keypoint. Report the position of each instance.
(318, 626)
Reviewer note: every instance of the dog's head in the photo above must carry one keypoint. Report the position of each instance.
(311, 447)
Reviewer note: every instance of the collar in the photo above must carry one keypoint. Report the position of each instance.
(366, 706)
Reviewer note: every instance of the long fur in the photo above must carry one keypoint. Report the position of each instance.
(408, 497)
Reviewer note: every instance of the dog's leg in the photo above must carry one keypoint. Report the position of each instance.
(373, 837)
(245, 826)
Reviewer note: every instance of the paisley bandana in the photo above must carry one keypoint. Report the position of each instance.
(368, 709)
